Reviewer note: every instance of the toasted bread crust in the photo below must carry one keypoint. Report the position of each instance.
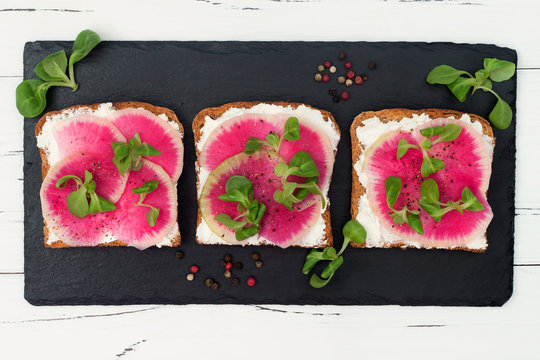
(217, 112)
(385, 116)
(156, 110)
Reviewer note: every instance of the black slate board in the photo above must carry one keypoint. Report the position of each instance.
(190, 76)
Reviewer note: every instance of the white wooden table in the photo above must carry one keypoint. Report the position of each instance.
(200, 332)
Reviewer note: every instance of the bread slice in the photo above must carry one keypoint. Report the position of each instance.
(386, 116)
(95, 109)
(215, 113)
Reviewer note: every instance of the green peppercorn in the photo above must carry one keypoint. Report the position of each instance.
(320, 68)
(341, 79)
(318, 77)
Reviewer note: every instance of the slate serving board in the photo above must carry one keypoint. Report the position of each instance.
(190, 76)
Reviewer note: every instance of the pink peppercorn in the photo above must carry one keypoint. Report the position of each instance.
(326, 78)
(327, 64)
(251, 281)
(228, 266)
(350, 74)
(344, 95)
(358, 80)
(348, 65)
(194, 269)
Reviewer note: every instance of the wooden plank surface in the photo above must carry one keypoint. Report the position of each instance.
(156, 332)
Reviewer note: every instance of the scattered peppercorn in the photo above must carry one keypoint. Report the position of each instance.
(255, 256)
(335, 98)
(342, 56)
(333, 69)
(179, 254)
(348, 82)
(190, 277)
(344, 95)
(358, 80)
(318, 77)
(250, 281)
(215, 286)
(348, 65)
(350, 74)
(227, 257)
(332, 91)
(258, 264)
(228, 266)
(326, 78)
(364, 77)
(208, 282)
(227, 274)
(194, 269)
(327, 64)
(236, 281)
(238, 266)
(320, 68)
(341, 79)
(372, 65)
(222, 262)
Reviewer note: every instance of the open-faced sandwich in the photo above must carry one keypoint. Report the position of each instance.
(263, 174)
(420, 178)
(109, 175)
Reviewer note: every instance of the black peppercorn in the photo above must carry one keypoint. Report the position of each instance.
(179, 254)
(208, 282)
(227, 257)
(215, 286)
(236, 281)
(335, 98)
(222, 262)
(332, 91)
(238, 266)
(342, 56)
(364, 77)
(255, 256)
(372, 65)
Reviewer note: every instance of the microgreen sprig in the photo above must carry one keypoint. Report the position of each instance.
(354, 232)
(392, 186)
(302, 165)
(84, 200)
(430, 165)
(31, 94)
(145, 189)
(127, 155)
(429, 192)
(246, 224)
(291, 132)
(460, 82)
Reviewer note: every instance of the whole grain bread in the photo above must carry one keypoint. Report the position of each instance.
(387, 115)
(156, 110)
(215, 113)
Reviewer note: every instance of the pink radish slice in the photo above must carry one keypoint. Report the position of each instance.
(157, 132)
(129, 221)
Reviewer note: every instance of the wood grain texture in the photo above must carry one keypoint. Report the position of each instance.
(509, 332)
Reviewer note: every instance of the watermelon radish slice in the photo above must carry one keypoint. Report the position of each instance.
(91, 134)
(73, 231)
(455, 229)
(129, 221)
(230, 138)
(156, 132)
(279, 225)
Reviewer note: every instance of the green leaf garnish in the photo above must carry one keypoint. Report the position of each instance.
(246, 224)
(430, 166)
(128, 155)
(403, 147)
(143, 190)
(353, 231)
(460, 82)
(429, 192)
(392, 187)
(302, 165)
(84, 200)
(291, 132)
(31, 94)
